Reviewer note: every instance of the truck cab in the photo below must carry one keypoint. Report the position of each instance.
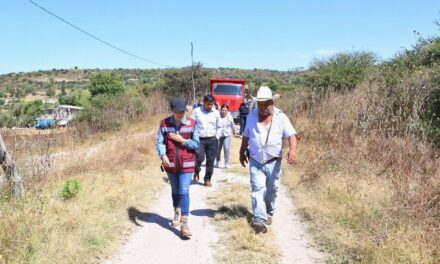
(229, 91)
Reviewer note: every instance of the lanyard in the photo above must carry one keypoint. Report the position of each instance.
(268, 132)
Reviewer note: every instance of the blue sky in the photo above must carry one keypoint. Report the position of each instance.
(245, 34)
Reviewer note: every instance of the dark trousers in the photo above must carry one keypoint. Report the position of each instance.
(208, 147)
(242, 124)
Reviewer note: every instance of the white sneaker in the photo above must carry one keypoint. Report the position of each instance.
(227, 166)
(217, 164)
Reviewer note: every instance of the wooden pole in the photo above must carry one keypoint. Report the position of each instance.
(11, 171)
(192, 73)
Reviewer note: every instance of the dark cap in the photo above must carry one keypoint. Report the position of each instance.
(178, 105)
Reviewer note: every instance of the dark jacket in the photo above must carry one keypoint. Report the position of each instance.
(244, 110)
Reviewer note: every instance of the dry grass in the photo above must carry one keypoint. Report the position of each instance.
(234, 159)
(116, 170)
(239, 243)
(367, 198)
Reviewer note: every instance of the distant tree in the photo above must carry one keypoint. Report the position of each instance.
(17, 109)
(63, 89)
(6, 119)
(342, 71)
(33, 110)
(29, 89)
(106, 84)
(179, 83)
(50, 92)
(79, 97)
(2, 101)
(274, 84)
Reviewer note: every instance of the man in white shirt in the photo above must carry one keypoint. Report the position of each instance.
(266, 127)
(208, 124)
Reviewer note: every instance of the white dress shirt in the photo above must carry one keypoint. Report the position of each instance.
(280, 128)
(208, 123)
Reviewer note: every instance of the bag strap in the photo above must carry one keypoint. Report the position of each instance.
(268, 132)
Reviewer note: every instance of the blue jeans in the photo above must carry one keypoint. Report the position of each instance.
(265, 181)
(225, 143)
(180, 183)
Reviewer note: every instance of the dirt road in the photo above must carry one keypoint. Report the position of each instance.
(157, 242)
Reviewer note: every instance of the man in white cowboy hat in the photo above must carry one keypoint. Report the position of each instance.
(266, 127)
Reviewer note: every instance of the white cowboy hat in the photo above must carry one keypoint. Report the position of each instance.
(265, 93)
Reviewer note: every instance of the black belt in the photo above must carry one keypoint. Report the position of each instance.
(269, 161)
(206, 137)
(272, 160)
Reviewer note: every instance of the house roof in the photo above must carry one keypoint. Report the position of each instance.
(71, 107)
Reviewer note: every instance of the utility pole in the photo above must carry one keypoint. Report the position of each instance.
(192, 73)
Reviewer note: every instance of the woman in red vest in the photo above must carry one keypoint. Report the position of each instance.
(177, 141)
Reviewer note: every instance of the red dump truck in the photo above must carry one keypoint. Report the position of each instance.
(229, 91)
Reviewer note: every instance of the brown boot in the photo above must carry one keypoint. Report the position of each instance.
(208, 183)
(177, 216)
(184, 229)
(269, 220)
(259, 227)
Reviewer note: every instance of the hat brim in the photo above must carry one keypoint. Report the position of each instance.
(180, 110)
(274, 97)
(263, 99)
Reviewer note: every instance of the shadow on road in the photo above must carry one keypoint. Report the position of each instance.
(134, 215)
(204, 212)
(235, 211)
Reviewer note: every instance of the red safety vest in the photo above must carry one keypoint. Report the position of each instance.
(181, 158)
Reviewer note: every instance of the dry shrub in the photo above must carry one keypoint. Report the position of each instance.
(368, 179)
(111, 112)
(393, 110)
(117, 170)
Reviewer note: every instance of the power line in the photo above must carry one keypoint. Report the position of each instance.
(97, 38)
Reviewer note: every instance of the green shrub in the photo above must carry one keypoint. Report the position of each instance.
(71, 188)
(107, 84)
(342, 71)
(78, 97)
(148, 88)
(50, 92)
(30, 111)
(178, 81)
(7, 120)
(110, 112)
(423, 55)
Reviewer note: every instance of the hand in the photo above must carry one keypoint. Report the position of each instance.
(176, 137)
(165, 161)
(243, 159)
(291, 156)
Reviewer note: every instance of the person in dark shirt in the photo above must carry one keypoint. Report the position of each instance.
(244, 111)
(198, 104)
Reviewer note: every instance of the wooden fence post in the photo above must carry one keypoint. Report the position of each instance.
(11, 171)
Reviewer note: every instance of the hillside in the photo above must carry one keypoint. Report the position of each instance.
(23, 83)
